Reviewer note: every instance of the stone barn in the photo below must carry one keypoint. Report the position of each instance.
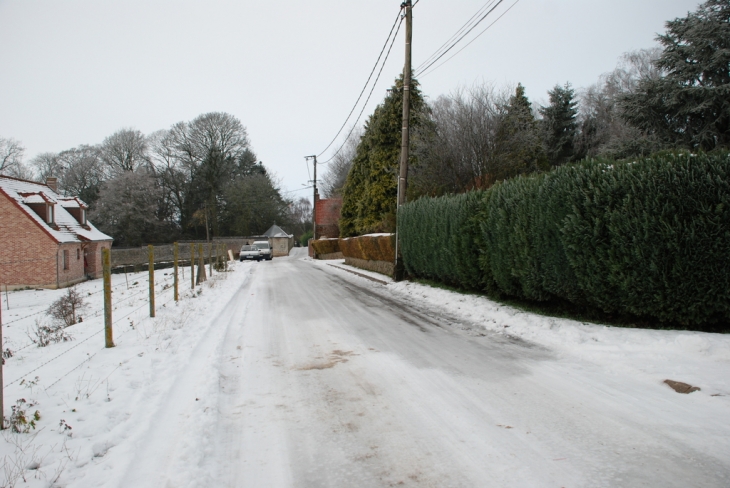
(281, 242)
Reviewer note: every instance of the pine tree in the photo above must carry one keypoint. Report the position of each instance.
(690, 105)
(519, 146)
(559, 124)
(369, 195)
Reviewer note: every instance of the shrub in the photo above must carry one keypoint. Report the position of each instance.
(45, 334)
(326, 246)
(19, 422)
(438, 239)
(649, 237)
(66, 309)
(380, 247)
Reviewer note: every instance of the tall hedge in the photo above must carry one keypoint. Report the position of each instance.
(649, 237)
(438, 238)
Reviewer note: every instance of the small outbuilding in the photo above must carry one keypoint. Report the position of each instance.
(281, 242)
(46, 240)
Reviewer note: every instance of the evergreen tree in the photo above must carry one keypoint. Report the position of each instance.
(690, 105)
(559, 124)
(370, 192)
(519, 146)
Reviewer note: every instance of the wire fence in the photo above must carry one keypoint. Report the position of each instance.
(171, 283)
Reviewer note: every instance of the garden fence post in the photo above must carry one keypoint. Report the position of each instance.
(210, 258)
(192, 266)
(107, 273)
(174, 259)
(151, 252)
(201, 264)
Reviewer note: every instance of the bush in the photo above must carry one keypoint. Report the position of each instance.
(379, 247)
(304, 239)
(649, 237)
(19, 421)
(65, 310)
(326, 246)
(438, 238)
(44, 334)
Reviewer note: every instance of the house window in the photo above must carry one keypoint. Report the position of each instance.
(78, 253)
(65, 259)
(83, 216)
(50, 214)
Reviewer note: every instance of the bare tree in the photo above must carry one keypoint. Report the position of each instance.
(11, 156)
(456, 150)
(82, 175)
(603, 131)
(300, 216)
(334, 178)
(47, 164)
(125, 150)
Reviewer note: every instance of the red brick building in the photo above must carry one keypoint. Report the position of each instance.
(327, 216)
(45, 239)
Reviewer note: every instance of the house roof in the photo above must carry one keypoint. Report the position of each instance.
(276, 231)
(24, 193)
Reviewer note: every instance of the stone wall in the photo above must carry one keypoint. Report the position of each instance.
(139, 257)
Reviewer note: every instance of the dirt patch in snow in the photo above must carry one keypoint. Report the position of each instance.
(680, 387)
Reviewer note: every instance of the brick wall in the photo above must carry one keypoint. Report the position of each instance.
(31, 257)
(92, 253)
(328, 217)
(27, 254)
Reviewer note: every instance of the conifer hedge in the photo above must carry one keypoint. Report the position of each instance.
(438, 239)
(649, 237)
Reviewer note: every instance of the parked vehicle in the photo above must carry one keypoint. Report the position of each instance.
(265, 249)
(249, 253)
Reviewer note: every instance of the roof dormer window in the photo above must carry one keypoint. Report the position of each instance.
(49, 214)
(83, 216)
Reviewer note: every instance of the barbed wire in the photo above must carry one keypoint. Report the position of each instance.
(20, 378)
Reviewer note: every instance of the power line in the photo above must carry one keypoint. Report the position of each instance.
(369, 95)
(467, 44)
(460, 38)
(366, 84)
(466, 25)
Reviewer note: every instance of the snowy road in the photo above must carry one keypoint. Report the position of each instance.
(313, 377)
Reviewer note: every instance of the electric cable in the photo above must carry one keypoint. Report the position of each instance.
(467, 44)
(398, 17)
(460, 38)
(369, 95)
(466, 25)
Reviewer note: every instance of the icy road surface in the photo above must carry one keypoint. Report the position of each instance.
(314, 377)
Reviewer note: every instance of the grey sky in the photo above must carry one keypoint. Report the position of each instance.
(75, 71)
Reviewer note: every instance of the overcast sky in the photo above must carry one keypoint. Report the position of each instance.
(75, 71)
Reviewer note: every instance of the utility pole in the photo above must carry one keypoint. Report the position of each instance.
(405, 134)
(314, 206)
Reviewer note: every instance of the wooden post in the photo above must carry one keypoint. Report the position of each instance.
(192, 266)
(201, 264)
(174, 260)
(210, 258)
(106, 262)
(151, 252)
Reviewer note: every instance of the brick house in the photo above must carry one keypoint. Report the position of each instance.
(327, 216)
(45, 239)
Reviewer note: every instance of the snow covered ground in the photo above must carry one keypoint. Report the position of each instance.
(300, 373)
